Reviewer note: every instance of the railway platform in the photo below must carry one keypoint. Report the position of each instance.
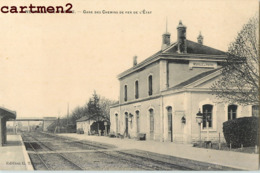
(242, 161)
(13, 155)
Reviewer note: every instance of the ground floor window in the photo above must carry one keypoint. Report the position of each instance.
(232, 112)
(169, 112)
(255, 110)
(117, 123)
(207, 115)
(137, 122)
(126, 123)
(151, 112)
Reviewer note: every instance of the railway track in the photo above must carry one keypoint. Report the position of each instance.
(43, 160)
(92, 145)
(71, 154)
(136, 160)
(39, 157)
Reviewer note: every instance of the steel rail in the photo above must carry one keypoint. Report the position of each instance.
(179, 167)
(38, 155)
(66, 158)
(68, 140)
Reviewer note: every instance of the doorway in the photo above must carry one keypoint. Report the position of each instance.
(117, 130)
(170, 130)
(137, 122)
(126, 124)
(151, 124)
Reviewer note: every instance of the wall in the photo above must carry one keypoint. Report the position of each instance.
(143, 108)
(85, 125)
(175, 69)
(219, 115)
(185, 104)
(181, 131)
(142, 77)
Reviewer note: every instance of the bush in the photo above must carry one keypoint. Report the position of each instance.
(241, 131)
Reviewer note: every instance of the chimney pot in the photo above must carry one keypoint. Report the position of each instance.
(166, 38)
(181, 38)
(135, 61)
(200, 39)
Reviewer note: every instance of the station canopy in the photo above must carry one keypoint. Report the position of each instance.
(7, 114)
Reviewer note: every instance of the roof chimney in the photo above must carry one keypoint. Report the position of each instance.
(134, 60)
(166, 38)
(181, 38)
(200, 39)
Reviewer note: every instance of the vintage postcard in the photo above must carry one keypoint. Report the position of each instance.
(129, 85)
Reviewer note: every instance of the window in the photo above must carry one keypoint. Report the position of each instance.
(136, 90)
(137, 122)
(169, 112)
(125, 93)
(232, 112)
(126, 123)
(150, 85)
(116, 123)
(207, 112)
(151, 121)
(255, 110)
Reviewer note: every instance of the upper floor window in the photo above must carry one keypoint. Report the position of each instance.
(136, 89)
(255, 110)
(207, 114)
(125, 92)
(232, 112)
(150, 85)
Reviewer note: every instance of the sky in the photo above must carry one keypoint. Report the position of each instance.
(50, 60)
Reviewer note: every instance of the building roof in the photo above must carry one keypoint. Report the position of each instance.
(49, 118)
(141, 64)
(85, 118)
(195, 48)
(193, 79)
(195, 51)
(116, 103)
(8, 114)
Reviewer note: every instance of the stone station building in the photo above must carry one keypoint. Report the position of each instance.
(161, 95)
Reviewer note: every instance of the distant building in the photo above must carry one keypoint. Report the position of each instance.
(161, 95)
(90, 126)
(84, 124)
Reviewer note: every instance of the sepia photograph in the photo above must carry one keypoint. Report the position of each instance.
(134, 85)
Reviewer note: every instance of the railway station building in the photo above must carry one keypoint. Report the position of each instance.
(5, 115)
(162, 95)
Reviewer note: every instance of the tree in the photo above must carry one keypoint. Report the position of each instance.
(105, 107)
(97, 108)
(77, 113)
(239, 81)
(94, 109)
